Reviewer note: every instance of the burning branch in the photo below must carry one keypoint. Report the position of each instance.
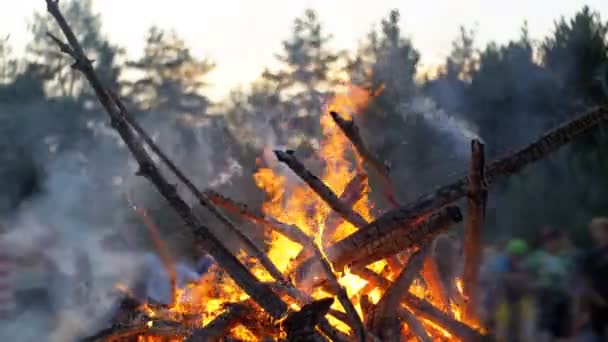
(384, 322)
(414, 324)
(437, 288)
(422, 308)
(476, 201)
(321, 189)
(353, 192)
(511, 163)
(300, 326)
(221, 325)
(382, 244)
(118, 115)
(291, 232)
(351, 131)
(348, 306)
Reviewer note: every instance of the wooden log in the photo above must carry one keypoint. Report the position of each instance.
(221, 325)
(291, 232)
(352, 193)
(363, 250)
(301, 325)
(147, 168)
(357, 253)
(351, 130)
(320, 188)
(476, 204)
(422, 308)
(203, 200)
(509, 164)
(414, 324)
(434, 283)
(385, 324)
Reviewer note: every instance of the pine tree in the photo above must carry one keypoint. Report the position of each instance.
(304, 78)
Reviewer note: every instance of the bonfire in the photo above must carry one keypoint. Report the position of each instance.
(332, 271)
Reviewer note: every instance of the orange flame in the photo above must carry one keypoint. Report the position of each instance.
(296, 204)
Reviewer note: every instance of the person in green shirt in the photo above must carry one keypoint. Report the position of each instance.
(514, 315)
(551, 274)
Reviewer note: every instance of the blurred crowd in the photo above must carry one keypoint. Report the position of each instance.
(547, 289)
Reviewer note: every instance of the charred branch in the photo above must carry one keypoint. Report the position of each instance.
(476, 204)
(351, 130)
(321, 189)
(147, 168)
(380, 244)
(385, 323)
(353, 192)
(301, 325)
(433, 281)
(510, 163)
(422, 308)
(221, 325)
(413, 324)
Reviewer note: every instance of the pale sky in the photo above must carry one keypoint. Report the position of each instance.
(242, 36)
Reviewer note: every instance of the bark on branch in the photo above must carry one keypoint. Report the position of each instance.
(384, 321)
(118, 115)
(423, 309)
(382, 241)
(476, 204)
(321, 189)
(352, 193)
(510, 163)
(351, 131)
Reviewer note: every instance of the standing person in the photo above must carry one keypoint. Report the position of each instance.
(551, 273)
(514, 314)
(594, 269)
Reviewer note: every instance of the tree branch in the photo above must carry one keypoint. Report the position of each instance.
(321, 189)
(351, 131)
(239, 273)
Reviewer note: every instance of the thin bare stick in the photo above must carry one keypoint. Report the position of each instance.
(291, 232)
(161, 248)
(147, 168)
(351, 131)
(321, 189)
(476, 204)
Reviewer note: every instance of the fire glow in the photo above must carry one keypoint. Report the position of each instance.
(296, 204)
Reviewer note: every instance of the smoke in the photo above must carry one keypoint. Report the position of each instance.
(458, 131)
(81, 201)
